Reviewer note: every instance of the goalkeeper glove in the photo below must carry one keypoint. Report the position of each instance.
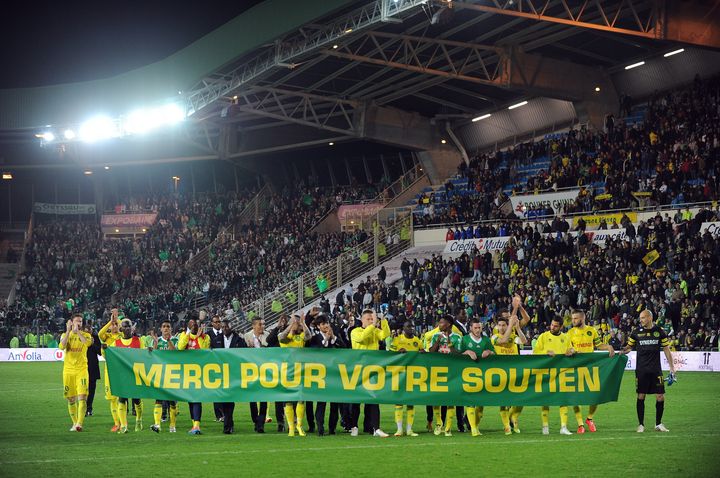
(670, 379)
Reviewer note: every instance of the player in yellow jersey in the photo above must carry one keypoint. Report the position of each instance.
(554, 342)
(431, 414)
(108, 334)
(585, 339)
(406, 341)
(505, 342)
(295, 335)
(75, 343)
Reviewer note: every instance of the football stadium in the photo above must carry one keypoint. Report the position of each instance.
(376, 237)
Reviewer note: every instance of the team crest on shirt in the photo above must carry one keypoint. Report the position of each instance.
(588, 333)
(656, 334)
(562, 340)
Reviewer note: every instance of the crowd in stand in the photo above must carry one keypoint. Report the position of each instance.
(70, 267)
(558, 272)
(669, 158)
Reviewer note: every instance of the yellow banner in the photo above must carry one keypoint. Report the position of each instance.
(593, 221)
(601, 197)
(651, 257)
(638, 194)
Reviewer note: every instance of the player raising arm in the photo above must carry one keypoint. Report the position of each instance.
(108, 334)
(648, 340)
(75, 343)
(505, 341)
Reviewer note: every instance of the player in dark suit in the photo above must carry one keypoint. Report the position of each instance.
(230, 340)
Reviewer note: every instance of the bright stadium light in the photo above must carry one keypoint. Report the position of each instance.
(98, 128)
(69, 134)
(7, 176)
(479, 118)
(674, 52)
(635, 65)
(48, 136)
(517, 105)
(172, 113)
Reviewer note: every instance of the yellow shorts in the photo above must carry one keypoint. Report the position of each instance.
(75, 383)
(108, 395)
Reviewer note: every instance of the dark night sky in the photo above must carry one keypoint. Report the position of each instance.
(43, 43)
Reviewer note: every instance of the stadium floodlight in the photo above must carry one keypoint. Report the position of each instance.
(517, 105)
(69, 134)
(443, 141)
(674, 52)
(479, 118)
(107, 168)
(172, 113)
(49, 136)
(98, 128)
(7, 176)
(87, 172)
(635, 65)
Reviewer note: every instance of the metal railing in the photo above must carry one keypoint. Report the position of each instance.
(363, 220)
(655, 208)
(392, 235)
(251, 212)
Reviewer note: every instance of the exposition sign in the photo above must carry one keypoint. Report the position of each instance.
(362, 376)
(128, 220)
(556, 201)
(712, 227)
(63, 209)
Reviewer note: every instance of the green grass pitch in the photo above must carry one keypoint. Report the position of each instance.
(35, 440)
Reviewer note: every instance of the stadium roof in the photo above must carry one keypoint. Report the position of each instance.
(302, 77)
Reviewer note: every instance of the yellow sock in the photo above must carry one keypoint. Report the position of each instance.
(563, 416)
(290, 417)
(81, 410)
(173, 415)
(545, 414)
(578, 415)
(478, 415)
(72, 409)
(398, 417)
(515, 415)
(157, 414)
(114, 411)
(138, 412)
(196, 423)
(472, 417)
(449, 416)
(122, 413)
(437, 414)
(300, 414)
(410, 416)
(591, 411)
(505, 417)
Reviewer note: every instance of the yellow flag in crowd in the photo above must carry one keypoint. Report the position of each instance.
(651, 257)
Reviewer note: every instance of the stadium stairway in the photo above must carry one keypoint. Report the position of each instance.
(8, 274)
(254, 209)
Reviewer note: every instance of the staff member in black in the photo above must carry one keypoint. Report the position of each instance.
(230, 340)
(326, 339)
(216, 342)
(93, 367)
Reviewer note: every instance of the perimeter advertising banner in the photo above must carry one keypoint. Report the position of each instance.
(363, 376)
(523, 204)
(63, 209)
(712, 227)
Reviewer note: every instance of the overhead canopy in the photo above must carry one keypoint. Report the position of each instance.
(68, 103)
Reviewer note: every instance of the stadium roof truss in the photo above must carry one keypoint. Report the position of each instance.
(440, 59)
(437, 58)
